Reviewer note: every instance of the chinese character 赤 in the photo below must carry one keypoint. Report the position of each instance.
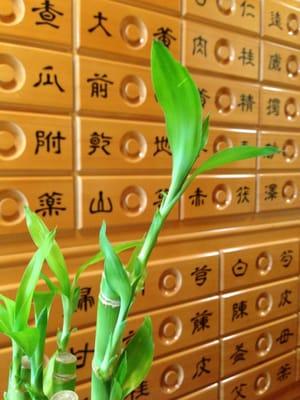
(197, 198)
(286, 257)
(47, 14)
(100, 17)
(161, 193)
(273, 107)
(246, 102)
(201, 367)
(201, 321)
(239, 268)
(239, 353)
(284, 372)
(238, 391)
(284, 336)
(86, 300)
(204, 96)
(141, 391)
(164, 35)
(200, 46)
(271, 191)
(50, 204)
(81, 355)
(99, 85)
(162, 145)
(275, 19)
(275, 62)
(239, 310)
(100, 142)
(247, 7)
(247, 56)
(45, 79)
(48, 141)
(200, 274)
(243, 194)
(284, 298)
(126, 339)
(101, 204)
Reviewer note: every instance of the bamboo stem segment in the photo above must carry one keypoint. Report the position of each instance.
(65, 395)
(64, 377)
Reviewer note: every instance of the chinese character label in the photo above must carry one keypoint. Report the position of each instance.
(239, 268)
(101, 205)
(197, 198)
(86, 300)
(164, 35)
(239, 354)
(50, 204)
(47, 14)
(48, 141)
(81, 355)
(100, 18)
(99, 142)
(48, 78)
(239, 310)
(200, 274)
(99, 86)
(201, 367)
(201, 321)
(200, 46)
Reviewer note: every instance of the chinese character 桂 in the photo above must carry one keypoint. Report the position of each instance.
(99, 85)
(201, 367)
(197, 198)
(50, 203)
(100, 204)
(162, 145)
(275, 62)
(201, 321)
(99, 141)
(100, 18)
(200, 46)
(200, 274)
(47, 14)
(247, 56)
(46, 78)
(86, 300)
(81, 355)
(164, 35)
(239, 310)
(239, 353)
(48, 141)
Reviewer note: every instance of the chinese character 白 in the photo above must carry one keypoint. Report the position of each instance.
(239, 268)
(200, 274)
(46, 78)
(48, 141)
(201, 321)
(50, 204)
(239, 310)
(47, 14)
(86, 300)
(99, 85)
(100, 207)
(164, 35)
(99, 17)
(99, 141)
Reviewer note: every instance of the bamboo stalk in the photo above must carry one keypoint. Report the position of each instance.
(65, 395)
(64, 376)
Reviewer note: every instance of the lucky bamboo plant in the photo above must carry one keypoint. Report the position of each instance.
(117, 369)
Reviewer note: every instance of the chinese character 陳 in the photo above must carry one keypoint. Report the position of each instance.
(164, 35)
(100, 142)
(239, 353)
(286, 257)
(99, 85)
(48, 141)
(47, 14)
(239, 310)
(273, 107)
(284, 298)
(200, 46)
(201, 367)
(50, 204)
(247, 56)
(275, 62)
(243, 194)
(99, 17)
(201, 321)
(45, 78)
(100, 207)
(200, 274)
(81, 355)
(86, 300)
(197, 198)
(246, 102)
(162, 145)
(271, 191)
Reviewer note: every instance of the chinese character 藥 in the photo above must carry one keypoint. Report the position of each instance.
(50, 203)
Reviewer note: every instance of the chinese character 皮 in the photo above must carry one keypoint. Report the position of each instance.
(100, 207)
(162, 145)
(284, 336)
(81, 355)
(284, 298)
(200, 46)
(246, 102)
(197, 198)
(284, 372)
(203, 96)
(239, 353)
(286, 257)
(243, 194)
(99, 141)
(47, 14)
(273, 107)
(141, 391)
(86, 300)
(239, 310)
(201, 321)
(239, 268)
(164, 35)
(275, 62)
(238, 391)
(45, 78)
(99, 17)
(275, 19)
(50, 204)
(161, 193)
(48, 141)
(201, 367)
(247, 56)
(271, 191)
(99, 85)
(200, 274)
(247, 9)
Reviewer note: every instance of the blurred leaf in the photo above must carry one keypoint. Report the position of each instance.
(205, 132)
(55, 259)
(48, 376)
(10, 306)
(27, 339)
(139, 356)
(180, 100)
(116, 392)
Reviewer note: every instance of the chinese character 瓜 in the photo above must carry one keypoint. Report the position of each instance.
(164, 35)
(284, 298)
(99, 141)
(47, 14)
(50, 204)
(275, 62)
(48, 141)
(275, 19)
(46, 78)
(100, 207)
(99, 85)
(200, 46)
(197, 198)
(246, 102)
(247, 9)
(100, 18)
(81, 355)
(201, 367)
(284, 372)
(238, 391)
(200, 274)
(271, 191)
(201, 321)
(284, 336)
(273, 107)
(286, 257)
(239, 268)
(162, 145)
(243, 194)
(247, 56)
(86, 300)
(239, 353)
(161, 193)
(239, 310)
(204, 96)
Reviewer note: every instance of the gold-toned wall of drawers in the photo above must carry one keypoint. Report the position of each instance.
(82, 139)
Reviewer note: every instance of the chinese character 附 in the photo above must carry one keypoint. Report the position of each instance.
(164, 35)
(50, 204)
(47, 14)
(45, 79)
(48, 141)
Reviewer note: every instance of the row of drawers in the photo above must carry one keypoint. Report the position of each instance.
(132, 200)
(34, 142)
(116, 27)
(106, 87)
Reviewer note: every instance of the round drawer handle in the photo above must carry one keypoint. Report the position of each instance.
(11, 12)
(12, 204)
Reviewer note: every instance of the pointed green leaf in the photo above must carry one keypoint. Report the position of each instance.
(179, 97)
(10, 306)
(42, 300)
(139, 354)
(48, 377)
(205, 132)
(55, 259)
(27, 339)
(116, 392)
(5, 321)
(28, 282)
